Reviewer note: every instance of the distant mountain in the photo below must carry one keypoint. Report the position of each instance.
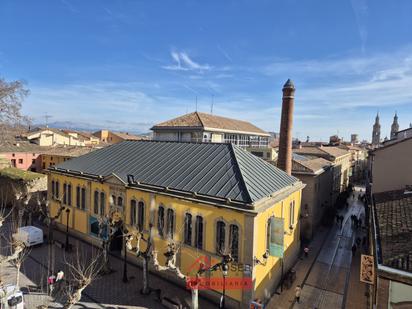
(90, 127)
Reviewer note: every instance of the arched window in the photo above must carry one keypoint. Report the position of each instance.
(120, 201)
(112, 200)
(96, 202)
(102, 203)
(170, 223)
(220, 237)
(64, 194)
(133, 206)
(53, 189)
(83, 199)
(78, 197)
(234, 241)
(57, 184)
(69, 194)
(160, 220)
(188, 229)
(140, 215)
(199, 232)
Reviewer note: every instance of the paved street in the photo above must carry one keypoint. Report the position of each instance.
(106, 292)
(327, 283)
(326, 275)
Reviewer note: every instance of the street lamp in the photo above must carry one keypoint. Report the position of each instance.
(225, 268)
(67, 245)
(125, 280)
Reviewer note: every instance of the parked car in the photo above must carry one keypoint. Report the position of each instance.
(29, 235)
(11, 298)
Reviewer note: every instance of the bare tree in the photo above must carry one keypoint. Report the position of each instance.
(82, 272)
(17, 248)
(108, 226)
(11, 96)
(146, 254)
(44, 208)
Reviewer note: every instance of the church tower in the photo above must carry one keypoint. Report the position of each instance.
(395, 126)
(376, 133)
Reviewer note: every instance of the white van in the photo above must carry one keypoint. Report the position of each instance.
(29, 235)
(11, 298)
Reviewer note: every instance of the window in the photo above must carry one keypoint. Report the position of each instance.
(13, 155)
(83, 205)
(96, 202)
(160, 220)
(53, 189)
(140, 215)
(133, 206)
(64, 193)
(113, 200)
(57, 184)
(44, 165)
(188, 229)
(13, 162)
(69, 194)
(234, 241)
(220, 237)
(199, 232)
(170, 223)
(292, 214)
(20, 161)
(78, 198)
(102, 203)
(120, 201)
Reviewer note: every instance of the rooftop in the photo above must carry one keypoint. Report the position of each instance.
(310, 165)
(393, 219)
(333, 151)
(211, 170)
(198, 120)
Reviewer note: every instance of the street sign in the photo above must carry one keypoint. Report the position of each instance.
(367, 269)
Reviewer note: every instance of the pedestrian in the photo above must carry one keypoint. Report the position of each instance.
(353, 249)
(355, 220)
(59, 280)
(297, 293)
(50, 281)
(306, 251)
(360, 222)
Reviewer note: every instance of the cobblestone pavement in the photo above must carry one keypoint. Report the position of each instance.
(325, 275)
(107, 291)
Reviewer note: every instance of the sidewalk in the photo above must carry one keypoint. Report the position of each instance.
(303, 266)
(109, 290)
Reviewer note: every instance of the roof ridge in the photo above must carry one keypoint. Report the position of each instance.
(200, 119)
(232, 151)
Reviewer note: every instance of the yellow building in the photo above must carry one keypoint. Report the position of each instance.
(56, 155)
(209, 198)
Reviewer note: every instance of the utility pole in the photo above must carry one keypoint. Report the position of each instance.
(47, 117)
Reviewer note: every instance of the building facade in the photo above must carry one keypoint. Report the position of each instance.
(390, 166)
(202, 127)
(51, 137)
(205, 197)
(111, 137)
(317, 174)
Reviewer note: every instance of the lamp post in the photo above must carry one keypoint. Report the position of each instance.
(125, 279)
(66, 247)
(225, 268)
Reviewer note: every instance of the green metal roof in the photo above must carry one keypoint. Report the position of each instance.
(210, 169)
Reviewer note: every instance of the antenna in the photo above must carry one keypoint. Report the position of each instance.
(213, 102)
(47, 117)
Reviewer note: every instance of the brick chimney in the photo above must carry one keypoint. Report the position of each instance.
(285, 140)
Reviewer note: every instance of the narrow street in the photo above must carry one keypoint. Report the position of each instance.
(326, 284)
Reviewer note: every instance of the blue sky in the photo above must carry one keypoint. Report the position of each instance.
(127, 65)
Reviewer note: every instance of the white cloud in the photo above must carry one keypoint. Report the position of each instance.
(184, 63)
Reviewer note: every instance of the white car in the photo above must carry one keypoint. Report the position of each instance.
(11, 298)
(29, 235)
